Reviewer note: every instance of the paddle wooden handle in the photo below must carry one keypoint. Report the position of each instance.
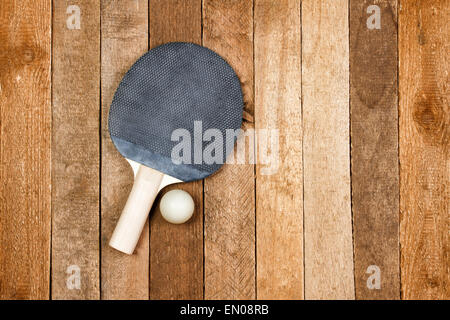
(134, 215)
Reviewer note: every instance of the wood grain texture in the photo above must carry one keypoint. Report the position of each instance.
(279, 186)
(424, 148)
(76, 150)
(124, 37)
(374, 149)
(176, 251)
(326, 144)
(230, 193)
(25, 132)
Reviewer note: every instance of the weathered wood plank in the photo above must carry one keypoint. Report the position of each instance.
(230, 193)
(75, 150)
(279, 184)
(176, 251)
(25, 132)
(374, 149)
(424, 148)
(124, 37)
(326, 144)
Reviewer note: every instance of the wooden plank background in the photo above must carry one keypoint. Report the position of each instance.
(25, 135)
(75, 151)
(374, 149)
(326, 183)
(279, 188)
(124, 34)
(176, 251)
(356, 201)
(424, 149)
(230, 195)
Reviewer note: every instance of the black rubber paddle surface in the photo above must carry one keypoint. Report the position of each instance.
(177, 86)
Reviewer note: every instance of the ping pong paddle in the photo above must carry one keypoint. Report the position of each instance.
(177, 91)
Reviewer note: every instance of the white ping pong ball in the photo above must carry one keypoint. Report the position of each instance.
(176, 206)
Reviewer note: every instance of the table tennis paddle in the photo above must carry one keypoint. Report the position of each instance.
(174, 86)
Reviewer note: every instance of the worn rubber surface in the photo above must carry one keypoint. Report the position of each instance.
(177, 86)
